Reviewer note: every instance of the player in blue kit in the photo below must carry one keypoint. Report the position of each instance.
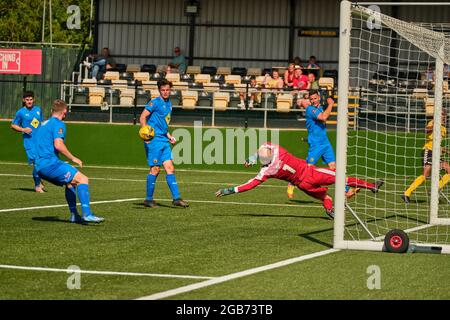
(319, 145)
(48, 144)
(28, 119)
(157, 114)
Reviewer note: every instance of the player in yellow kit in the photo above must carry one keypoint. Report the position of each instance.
(427, 158)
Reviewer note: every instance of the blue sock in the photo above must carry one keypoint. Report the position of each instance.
(172, 183)
(36, 178)
(71, 199)
(151, 179)
(347, 188)
(83, 195)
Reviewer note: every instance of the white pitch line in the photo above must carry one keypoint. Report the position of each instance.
(188, 200)
(232, 276)
(142, 168)
(108, 273)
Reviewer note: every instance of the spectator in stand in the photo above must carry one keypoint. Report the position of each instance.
(253, 94)
(312, 63)
(312, 83)
(178, 61)
(300, 80)
(101, 63)
(274, 82)
(297, 61)
(289, 76)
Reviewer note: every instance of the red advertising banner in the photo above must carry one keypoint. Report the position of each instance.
(19, 61)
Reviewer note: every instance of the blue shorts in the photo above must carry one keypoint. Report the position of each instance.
(157, 152)
(59, 173)
(324, 152)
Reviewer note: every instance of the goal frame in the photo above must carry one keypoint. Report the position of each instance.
(341, 208)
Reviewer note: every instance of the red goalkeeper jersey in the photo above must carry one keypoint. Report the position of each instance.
(284, 166)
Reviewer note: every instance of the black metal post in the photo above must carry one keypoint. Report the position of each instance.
(191, 39)
(136, 83)
(292, 8)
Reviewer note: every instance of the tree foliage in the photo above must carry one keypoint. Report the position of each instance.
(21, 21)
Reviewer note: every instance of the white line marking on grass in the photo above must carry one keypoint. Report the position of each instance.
(143, 169)
(168, 200)
(108, 273)
(232, 276)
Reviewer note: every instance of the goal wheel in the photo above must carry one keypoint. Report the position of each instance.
(396, 241)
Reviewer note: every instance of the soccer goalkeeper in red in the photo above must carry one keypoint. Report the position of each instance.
(278, 163)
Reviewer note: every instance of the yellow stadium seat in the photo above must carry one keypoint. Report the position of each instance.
(193, 70)
(112, 75)
(189, 99)
(154, 93)
(127, 97)
(254, 72)
(284, 102)
(149, 85)
(420, 93)
(211, 87)
(178, 86)
(119, 84)
(429, 106)
(223, 71)
(96, 95)
(142, 76)
(173, 77)
(260, 80)
(202, 78)
(241, 87)
(88, 83)
(327, 83)
(131, 68)
(161, 68)
(220, 101)
(233, 79)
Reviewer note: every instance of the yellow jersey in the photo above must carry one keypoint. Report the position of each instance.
(429, 137)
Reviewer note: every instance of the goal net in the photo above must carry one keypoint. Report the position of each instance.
(396, 70)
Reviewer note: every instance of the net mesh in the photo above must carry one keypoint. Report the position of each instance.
(392, 70)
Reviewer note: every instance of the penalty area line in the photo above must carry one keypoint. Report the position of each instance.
(232, 276)
(107, 273)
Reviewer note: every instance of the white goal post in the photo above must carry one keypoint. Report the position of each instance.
(396, 69)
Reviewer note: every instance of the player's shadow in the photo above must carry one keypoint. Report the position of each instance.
(24, 189)
(160, 205)
(300, 201)
(268, 215)
(56, 219)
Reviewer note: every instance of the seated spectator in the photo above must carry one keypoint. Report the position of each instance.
(178, 61)
(300, 80)
(297, 61)
(312, 63)
(312, 83)
(101, 63)
(274, 82)
(289, 76)
(253, 94)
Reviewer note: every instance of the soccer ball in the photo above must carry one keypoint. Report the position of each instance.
(146, 133)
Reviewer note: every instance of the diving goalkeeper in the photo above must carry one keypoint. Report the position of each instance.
(277, 162)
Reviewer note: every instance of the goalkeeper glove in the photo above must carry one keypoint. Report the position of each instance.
(252, 160)
(225, 192)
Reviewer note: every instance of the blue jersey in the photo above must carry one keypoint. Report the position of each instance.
(28, 118)
(159, 118)
(44, 149)
(317, 129)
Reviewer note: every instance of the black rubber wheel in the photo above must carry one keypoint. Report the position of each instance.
(396, 241)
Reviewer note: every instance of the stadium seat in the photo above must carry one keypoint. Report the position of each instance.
(119, 84)
(88, 83)
(187, 77)
(239, 71)
(173, 77)
(205, 99)
(126, 76)
(112, 75)
(220, 100)
(268, 100)
(142, 76)
(120, 67)
(211, 87)
(233, 79)
(254, 72)
(161, 68)
(131, 68)
(327, 83)
(209, 70)
(240, 87)
(127, 97)
(235, 99)
(193, 70)
(175, 97)
(266, 71)
(154, 93)
(202, 78)
(156, 76)
(180, 86)
(219, 78)
(223, 71)
(142, 97)
(330, 74)
(420, 93)
(429, 106)
(80, 96)
(284, 102)
(150, 68)
(149, 85)
(260, 80)
(103, 82)
(96, 95)
(112, 96)
(189, 98)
